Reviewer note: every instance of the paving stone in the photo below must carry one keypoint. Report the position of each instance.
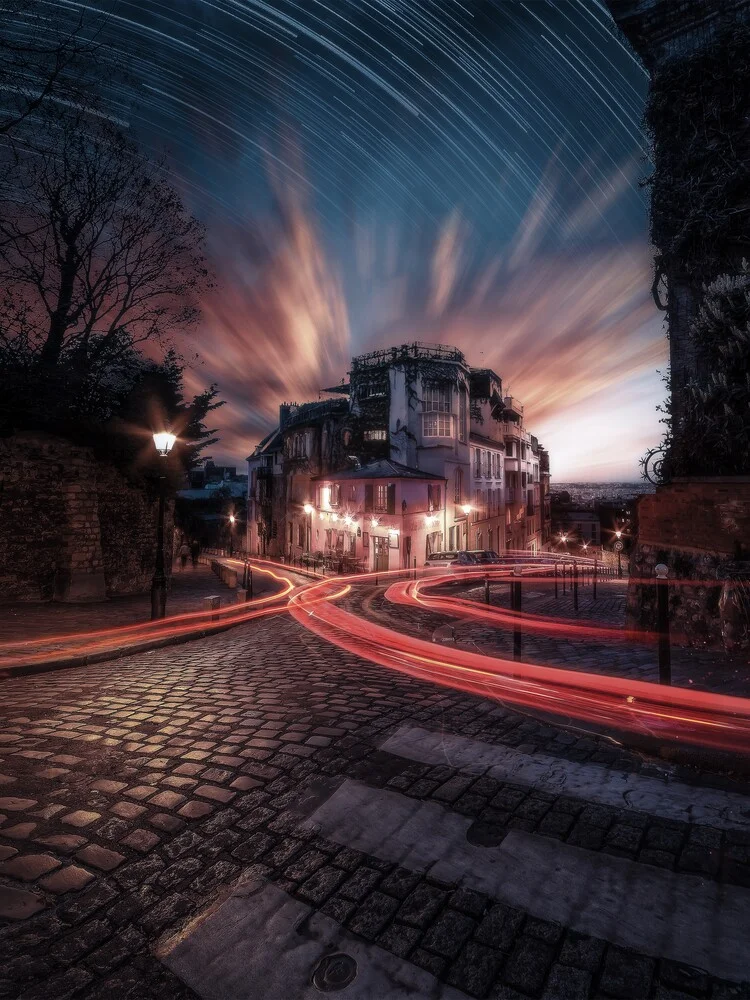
(660, 838)
(321, 884)
(139, 872)
(528, 964)
(195, 810)
(128, 810)
(187, 841)
(214, 793)
(29, 867)
(307, 863)
(448, 933)
(684, 977)
(468, 901)
(371, 917)
(699, 859)
(100, 857)
(18, 904)
(338, 908)
(426, 960)
(116, 951)
(93, 899)
(422, 905)
(499, 927)
(141, 840)
(19, 831)
(81, 818)
(544, 930)
(626, 974)
(61, 986)
(244, 783)
(70, 879)
(167, 800)
(109, 787)
(7, 852)
(399, 883)
(166, 822)
(567, 983)
(360, 883)
(84, 938)
(166, 912)
(582, 951)
(11, 803)
(254, 847)
(399, 939)
(140, 792)
(475, 969)
(64, 843)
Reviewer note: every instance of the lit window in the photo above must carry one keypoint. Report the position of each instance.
(381, 497)
(436, 425)
(376, 435)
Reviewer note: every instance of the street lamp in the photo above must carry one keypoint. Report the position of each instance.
(163, 442)
(231, 534)
(618, 546)
(308, 509)
(466, 508)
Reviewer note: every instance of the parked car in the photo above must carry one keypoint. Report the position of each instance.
(448, 559)
(485, 557)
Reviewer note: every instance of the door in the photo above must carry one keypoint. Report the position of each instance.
(380, 554)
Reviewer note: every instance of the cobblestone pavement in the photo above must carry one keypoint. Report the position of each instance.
(24, 621)
(132, 794)
(709, 670)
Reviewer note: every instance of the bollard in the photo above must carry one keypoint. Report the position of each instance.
(212, 604)
(662, 606)
(486, 589)
(563, 576)
(555, 579)
(241, 595)
(250, 582)
(575, 586)
(517, 604)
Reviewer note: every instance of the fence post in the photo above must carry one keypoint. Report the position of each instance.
(563, 576)
(594, 580)
(517, 605)
(486, 588)
(662, 606)
(575, 586)
(555, 565)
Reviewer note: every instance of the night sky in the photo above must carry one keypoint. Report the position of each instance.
(377, 171)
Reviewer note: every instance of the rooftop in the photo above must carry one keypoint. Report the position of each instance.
(382, 469)
(416, 351)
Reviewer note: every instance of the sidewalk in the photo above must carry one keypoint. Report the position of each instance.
(35, 621)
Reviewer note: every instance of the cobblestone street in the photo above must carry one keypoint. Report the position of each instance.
(138, 794)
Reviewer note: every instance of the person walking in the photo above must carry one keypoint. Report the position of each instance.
(195, 552)
(184, 553)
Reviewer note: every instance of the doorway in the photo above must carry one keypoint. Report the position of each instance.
(380, 554)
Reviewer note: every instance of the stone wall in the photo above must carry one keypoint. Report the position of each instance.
(71, 528)
(701, 530)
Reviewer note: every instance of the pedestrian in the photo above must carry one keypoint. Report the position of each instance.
(184, 553)
(195, 551)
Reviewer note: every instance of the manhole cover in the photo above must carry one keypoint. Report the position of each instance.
(483, 834)
(334, 972)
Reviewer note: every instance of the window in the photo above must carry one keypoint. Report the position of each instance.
(291, 529)
(509, 449)
(370, 389)
(335, 499)
(352, 494)
(376, 435)
(433, 498)
(458, 485)
(436, 418)
(436, 425)
(523, 480)
(301, 535)
(436, 399)
(462, 414)
(477, 463)
(352, 545)
(381, 497)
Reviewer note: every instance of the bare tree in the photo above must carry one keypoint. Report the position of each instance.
(46, 55)
(97, 255)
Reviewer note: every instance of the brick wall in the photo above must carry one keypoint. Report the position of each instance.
(698, 529)
(71, 528)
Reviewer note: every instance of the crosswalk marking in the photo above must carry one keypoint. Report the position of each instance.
(592, 782)
(659, 913)
(260, 942)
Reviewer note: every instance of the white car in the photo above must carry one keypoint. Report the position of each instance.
(449, 559)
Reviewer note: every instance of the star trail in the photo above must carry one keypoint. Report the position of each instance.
(375, 171)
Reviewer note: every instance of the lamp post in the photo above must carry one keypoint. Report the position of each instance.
(232, 519)
(163, 442)
(618, 546)
(308, 509)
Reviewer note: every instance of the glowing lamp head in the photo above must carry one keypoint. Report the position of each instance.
(308, 508)
(347, 520)
(164, 440)
(618, 533)
(466, 508)
(563, 538)
(232, 518)
(334, 517)
(374, 523)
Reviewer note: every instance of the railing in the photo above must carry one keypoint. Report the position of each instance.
(416, 351)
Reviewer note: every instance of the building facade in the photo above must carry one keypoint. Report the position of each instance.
(417, 453)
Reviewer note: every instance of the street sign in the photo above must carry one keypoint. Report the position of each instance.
(617, 546)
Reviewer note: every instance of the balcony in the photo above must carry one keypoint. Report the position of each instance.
(514, 405)
(512, 465)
